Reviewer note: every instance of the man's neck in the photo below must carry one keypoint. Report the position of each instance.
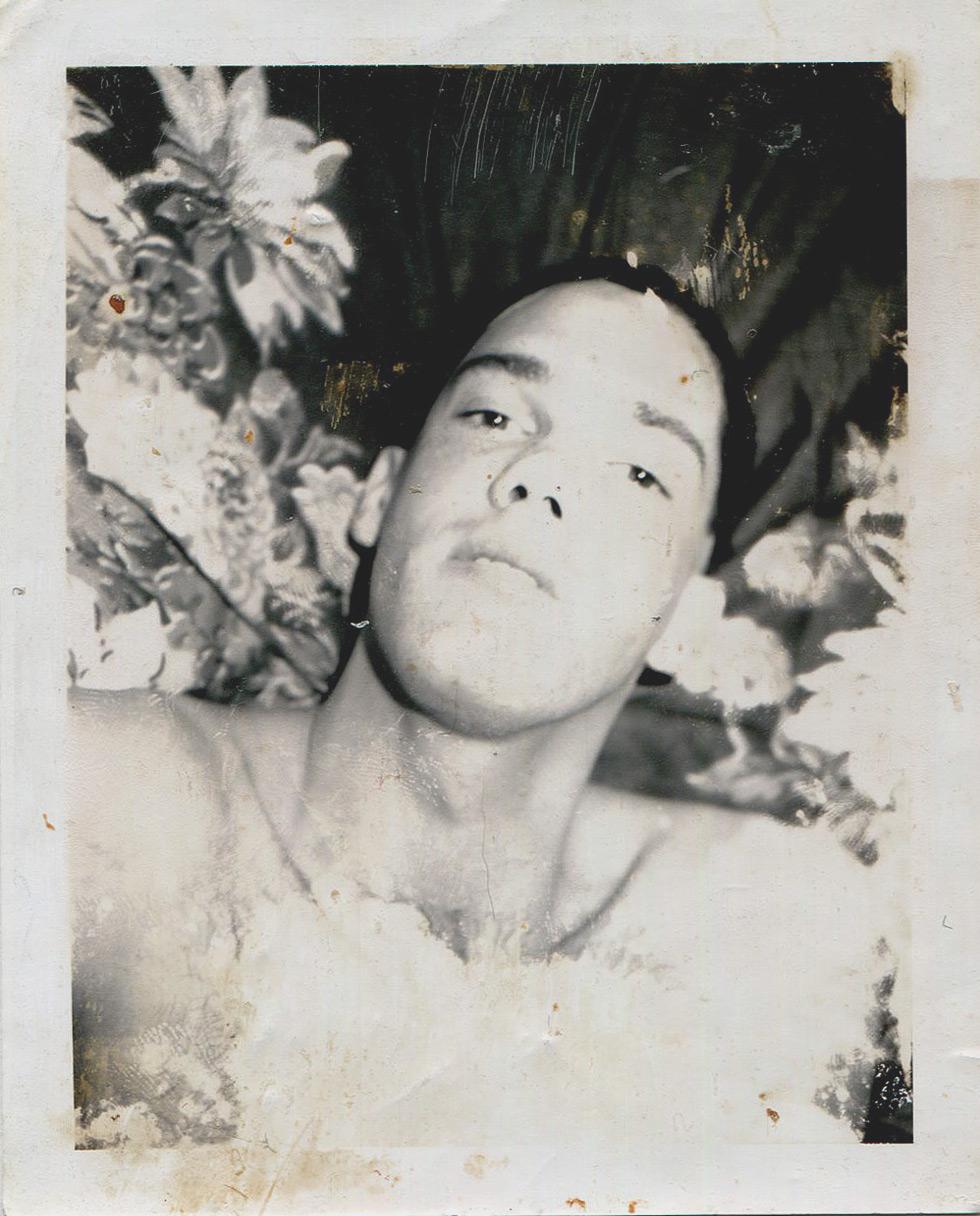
(474, 831)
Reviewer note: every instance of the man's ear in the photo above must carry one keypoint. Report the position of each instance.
(379, 486)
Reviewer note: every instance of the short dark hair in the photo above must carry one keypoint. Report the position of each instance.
(738, 440)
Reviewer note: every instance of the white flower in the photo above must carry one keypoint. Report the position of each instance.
(250, 186)
(149, 437)
(128, 650)
(327, 500)
(796, 565)
(730, 658)
(856, 703)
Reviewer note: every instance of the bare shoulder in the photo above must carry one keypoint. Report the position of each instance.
(769, 890)
(779, 946)
(150, 779)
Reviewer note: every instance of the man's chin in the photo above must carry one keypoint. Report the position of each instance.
(466, 692)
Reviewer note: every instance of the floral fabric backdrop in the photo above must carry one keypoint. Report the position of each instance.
(257, 257)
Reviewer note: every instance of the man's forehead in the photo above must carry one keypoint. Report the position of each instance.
(599, 322)
(626, 343)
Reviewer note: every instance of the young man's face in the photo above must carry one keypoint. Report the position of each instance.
(556, 503)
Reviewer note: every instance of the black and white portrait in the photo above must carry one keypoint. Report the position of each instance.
(485, 517)
(485, 508)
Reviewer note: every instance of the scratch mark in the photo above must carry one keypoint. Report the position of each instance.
(946, 924)
(285, 1161)
(483, 854)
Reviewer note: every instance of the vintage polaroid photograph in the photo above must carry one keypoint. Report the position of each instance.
(486, 610)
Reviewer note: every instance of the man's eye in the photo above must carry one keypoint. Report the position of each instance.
(643, 477)
(491, 420)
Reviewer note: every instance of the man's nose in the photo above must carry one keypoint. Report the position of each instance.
(531, 479)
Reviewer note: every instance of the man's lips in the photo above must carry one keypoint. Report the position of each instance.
(473, 550)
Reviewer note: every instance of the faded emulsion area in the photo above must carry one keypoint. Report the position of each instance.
(485, 510)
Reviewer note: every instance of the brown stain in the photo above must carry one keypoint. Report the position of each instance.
(763, 1096)
(899, 72)
(631, 1207)
(576, 222)
(773, 1114)
(684, 379)
(289, 239)
(898, 414)
(335, 895)
(117, 304)
(275, 1177)
(155, 451)
(554, 1007)
(478, 1164)
(47, 822)
(249, 436)
(346, 386)
(575, 1203)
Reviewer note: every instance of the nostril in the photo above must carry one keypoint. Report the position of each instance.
(555, 507)
(518, 493)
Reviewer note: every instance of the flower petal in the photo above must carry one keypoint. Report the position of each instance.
(248, 103)
(328, 159)
(263, 301)
(199, 115)
(179, 99)
(319, 299)
(209, 86)
(317, 225)
(85, 118)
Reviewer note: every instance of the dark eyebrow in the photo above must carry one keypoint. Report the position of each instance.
(524, 367)
(650, 417)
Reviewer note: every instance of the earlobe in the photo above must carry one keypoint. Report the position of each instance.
(379, 487)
